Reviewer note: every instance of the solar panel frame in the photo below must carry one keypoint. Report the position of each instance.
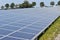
(36, 36)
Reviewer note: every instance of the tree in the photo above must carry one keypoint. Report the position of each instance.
(42, 4)
(30, 5)
(21, 6)
(33, 3)
(25, 4)
(12, 5)
(7, 6)
(52, 3)
(2, 7)
(58, 3)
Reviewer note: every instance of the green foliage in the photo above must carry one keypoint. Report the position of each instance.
(58, 3)
(25, 4)
(42, 4)
(12, 5)
(2, 7)
(33, 3)
(30, 5)
(52, 3)
(7, 6)
(52, 32)
(20, 6)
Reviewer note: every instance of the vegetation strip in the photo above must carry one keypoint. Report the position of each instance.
(26, 4)
(52, 32)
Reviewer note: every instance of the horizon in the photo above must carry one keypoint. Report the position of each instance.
(47, 2)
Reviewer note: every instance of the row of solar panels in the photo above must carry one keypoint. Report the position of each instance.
(17, 25)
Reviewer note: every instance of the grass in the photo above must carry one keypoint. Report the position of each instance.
(52, 32)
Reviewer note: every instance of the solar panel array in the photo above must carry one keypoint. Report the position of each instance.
(23, 25)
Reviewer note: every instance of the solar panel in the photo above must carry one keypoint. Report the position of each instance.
(23, 24)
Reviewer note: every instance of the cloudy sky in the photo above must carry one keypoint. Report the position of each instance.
(2, 2)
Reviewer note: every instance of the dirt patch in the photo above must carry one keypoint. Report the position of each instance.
(58, 37)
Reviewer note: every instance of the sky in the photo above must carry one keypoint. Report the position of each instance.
(47, 2)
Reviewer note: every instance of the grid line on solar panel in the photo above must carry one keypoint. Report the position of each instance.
(28, 15)
(10, 27)
(6, 29)
(22, 32)
(15, 22)
(22, 35)
(15, 27)
(6, 24)
(18, 29)
(37, 26)
(29, 31)
(18, 38)
(4, 32)
(13, 17)
(33, 29)
(13, 37)
(26, 32)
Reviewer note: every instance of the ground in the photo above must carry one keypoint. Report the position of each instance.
(53, 33)
(58, 37)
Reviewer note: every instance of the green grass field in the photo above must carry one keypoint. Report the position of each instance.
(52, 32)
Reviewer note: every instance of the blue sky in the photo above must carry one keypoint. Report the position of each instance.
(2, 2)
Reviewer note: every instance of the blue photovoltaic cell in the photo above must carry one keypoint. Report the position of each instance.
(17, 24)
(4, 32)
(22, 35)
(1, 36)
(10, 27)
(10, 38)
(25, 24)
(29, 30)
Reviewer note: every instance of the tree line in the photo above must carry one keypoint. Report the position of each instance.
(26, 4)
(52, 3)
